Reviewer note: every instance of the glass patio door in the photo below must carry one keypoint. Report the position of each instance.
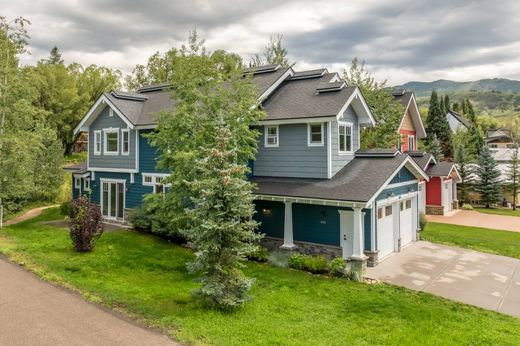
(113, 197)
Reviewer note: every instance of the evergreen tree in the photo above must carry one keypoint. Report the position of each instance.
(386, 110)
(488, 175)
(437, 123)
(434, 147)
(462, 161)
(274, 53)
(456, 107)
(464, 107)
(513, 177)
(447, 103)
(441, 105)
(55, 57)
(475, 142)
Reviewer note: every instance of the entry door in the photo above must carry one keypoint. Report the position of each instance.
(113, 197)
(346, 225)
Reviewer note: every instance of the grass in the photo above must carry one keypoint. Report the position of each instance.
(499, 211)
(75, 158)
(147, 277)
(497, 242)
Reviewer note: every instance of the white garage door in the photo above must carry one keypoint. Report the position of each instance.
(422, 197)
(385, 231)
(406, 222)
(447, 196)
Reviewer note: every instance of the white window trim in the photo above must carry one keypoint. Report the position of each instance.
(309, 135)
(154, 182)
(351, 125)
(86, 184)
(127, 131)
(110, 112)
(411, 137)
(105, 141)
(97, 137)
(266, 144)
(77, 183)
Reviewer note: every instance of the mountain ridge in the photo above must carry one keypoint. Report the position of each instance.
(446, 86)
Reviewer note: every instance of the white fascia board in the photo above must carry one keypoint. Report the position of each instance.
(94, 112)
(112, 170)
(407, 162)
(296, 121)
(275, 85)
(145, 127)
(315, 201)
(356, 95)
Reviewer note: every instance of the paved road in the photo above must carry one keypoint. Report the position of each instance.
(33, 312)
(476, 219)
(488, 281)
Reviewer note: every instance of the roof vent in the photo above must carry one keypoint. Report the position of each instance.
(416, 153)
(309, 74)
(377, 153)
(263, 69)
(154, 87)
(327, 87)
(398, 92)
(129, 96)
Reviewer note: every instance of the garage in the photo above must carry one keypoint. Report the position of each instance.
(385, 230)
(406, 221)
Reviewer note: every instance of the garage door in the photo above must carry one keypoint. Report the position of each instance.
(385, 231)
(446, 196)
(406, 222)
(422, 198)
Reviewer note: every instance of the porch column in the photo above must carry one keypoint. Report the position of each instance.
(359, 241)
(288, 227)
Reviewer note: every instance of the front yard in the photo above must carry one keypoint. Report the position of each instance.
(505, 243)
(499, 211)
(146, 277)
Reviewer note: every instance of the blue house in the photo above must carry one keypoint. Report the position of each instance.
(316, 191)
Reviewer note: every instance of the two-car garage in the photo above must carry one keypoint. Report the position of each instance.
(396, 225)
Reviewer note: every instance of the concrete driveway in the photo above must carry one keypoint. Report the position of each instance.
(476, 219)
(33, 312)
(488, 281)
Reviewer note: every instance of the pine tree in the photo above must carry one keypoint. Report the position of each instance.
(462, 161)
(488, 175)
(55, 57)
(437, 123)
(470, 112)
(475, 142)
(434, 147)
(513, 177)
(456, 107)
(464, 108)
(441, 105)
(447, 103)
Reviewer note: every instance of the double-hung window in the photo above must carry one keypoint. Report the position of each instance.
(111, 141)
(271, 136)
(86, 184)
(411, 143)
(156, 181)
(345, 138)
(315, 134)
(97, 142)
(125, 142)
(77, 183)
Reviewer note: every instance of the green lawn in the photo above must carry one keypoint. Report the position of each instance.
(146, 277)
(499, 211)
(504, 243)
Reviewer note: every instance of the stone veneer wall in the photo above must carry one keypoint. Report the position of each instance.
(434, 210)
(328, 251)
(373, 258)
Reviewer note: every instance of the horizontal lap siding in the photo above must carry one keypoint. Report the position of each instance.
(134, 192)
(310, 225)
(396, 191)
(292, 158)
(148, 155)
(271, 217)
(119, 161)
(339, 161)
(403, 175)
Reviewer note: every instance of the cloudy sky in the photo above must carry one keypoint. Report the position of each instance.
(400, 40)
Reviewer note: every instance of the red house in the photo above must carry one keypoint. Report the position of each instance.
(438, 195)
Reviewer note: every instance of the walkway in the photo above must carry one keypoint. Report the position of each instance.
(476, 219)
(28, 215)
(484, 280)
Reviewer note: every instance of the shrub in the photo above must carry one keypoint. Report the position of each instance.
(338, 267)
(422, 221)
(466, 206)
(278, 259)
(66, 208)
(86, 224)
(260, 255)
(141, 221)
(313, 264)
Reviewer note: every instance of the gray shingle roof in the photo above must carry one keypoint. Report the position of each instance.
(78, 168)
(358, 181)
(263, 81)
(403, 97)
(460, 118)
(296, 99)
(376, 152)
(421, 158)
(441, 169)
(309, 73)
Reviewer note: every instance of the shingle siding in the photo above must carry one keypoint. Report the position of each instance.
(293, 157)
(339, 161)
(118, 161)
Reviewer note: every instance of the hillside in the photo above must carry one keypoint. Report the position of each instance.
(451, 87)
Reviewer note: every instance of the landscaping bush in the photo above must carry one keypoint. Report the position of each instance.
(338, 267)
(278, 259)
(313, 264)
(86, 224)
(466, 206)
(141, 221)
(66, 208)
(422, 221)
(260, 255)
